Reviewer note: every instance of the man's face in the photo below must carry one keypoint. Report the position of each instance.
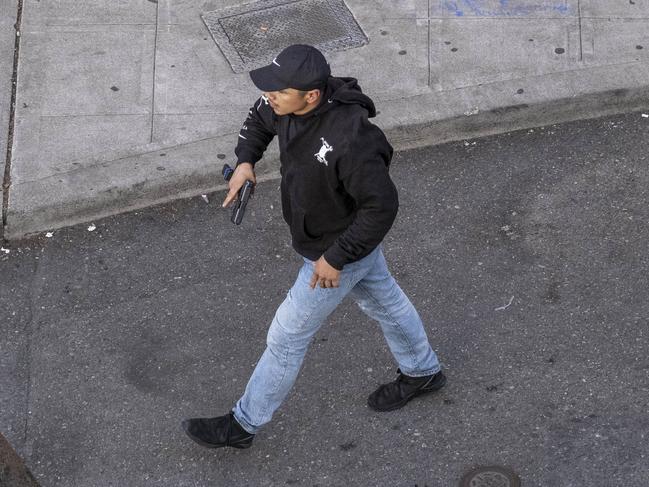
(290, 100)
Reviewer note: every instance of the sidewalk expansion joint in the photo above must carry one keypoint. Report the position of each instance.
(6, 182)
(155, 55)
(581, 37)
(521, 19)
(428, 26)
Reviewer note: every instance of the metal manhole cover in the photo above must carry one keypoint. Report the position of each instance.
(490, 477)
(250, 35)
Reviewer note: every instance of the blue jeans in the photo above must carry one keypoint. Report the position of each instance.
(369, 282)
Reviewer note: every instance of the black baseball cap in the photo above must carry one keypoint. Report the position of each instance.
(298, 66)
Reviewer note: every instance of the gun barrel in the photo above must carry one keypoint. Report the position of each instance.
(242, 201)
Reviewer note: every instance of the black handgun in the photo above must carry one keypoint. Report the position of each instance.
(242, 199)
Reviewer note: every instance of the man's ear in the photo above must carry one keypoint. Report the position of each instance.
(313, 95)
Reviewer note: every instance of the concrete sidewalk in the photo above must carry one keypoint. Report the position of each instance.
(125, 104)
(8, 13)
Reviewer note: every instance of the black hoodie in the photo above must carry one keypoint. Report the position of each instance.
(337, 195)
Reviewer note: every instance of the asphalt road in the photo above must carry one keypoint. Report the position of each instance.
(525, 254)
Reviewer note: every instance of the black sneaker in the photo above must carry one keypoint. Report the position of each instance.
(218, 432)
(396, 394)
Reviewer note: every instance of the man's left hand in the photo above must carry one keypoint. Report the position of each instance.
(324, 275)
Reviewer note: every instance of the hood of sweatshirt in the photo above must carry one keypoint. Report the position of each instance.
(341, 90)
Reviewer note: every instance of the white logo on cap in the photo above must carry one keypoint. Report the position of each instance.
(275, 62)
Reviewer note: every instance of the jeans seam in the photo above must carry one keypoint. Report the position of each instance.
(285, 357)
(278, 383)
(389, 315)
(285, 367)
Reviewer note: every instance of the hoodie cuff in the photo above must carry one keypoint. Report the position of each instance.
(336, 257)
(246, 156)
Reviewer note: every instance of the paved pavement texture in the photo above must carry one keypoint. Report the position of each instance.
(525, 253)
(120, 105)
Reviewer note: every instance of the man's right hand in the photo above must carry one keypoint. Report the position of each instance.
(243, 172)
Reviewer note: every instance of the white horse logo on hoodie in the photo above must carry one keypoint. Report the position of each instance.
(322, 153)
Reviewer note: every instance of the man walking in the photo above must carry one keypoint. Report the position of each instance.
(339, 202)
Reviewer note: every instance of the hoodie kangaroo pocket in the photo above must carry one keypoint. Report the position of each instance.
(303, 232)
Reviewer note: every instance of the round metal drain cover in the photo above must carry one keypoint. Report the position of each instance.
(490, 477)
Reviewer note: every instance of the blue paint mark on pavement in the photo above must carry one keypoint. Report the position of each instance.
(505, 8)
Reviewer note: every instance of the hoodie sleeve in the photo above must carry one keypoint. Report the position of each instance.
(364, 175)
(256, 132)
